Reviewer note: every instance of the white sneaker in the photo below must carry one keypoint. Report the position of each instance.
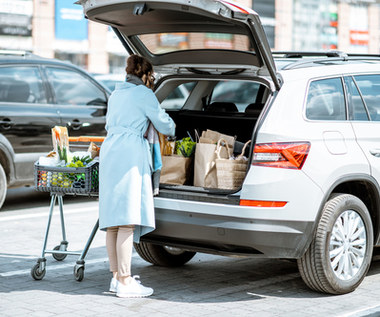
(133, 289)
(113, 285)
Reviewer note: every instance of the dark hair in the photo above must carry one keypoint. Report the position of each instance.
(138, 66)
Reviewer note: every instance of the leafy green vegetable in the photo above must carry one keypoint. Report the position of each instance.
(79, 161)
(85, 159)
(185, 147)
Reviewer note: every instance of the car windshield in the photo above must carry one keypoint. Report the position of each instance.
(169, 42)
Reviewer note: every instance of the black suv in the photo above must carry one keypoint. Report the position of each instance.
(37, 94)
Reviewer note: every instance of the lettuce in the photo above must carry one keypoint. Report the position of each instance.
(185, 147)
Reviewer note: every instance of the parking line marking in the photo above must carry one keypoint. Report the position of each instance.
(45, 214)
(17, 256)
(363, 310)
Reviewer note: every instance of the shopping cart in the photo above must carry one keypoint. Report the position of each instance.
(60, 181)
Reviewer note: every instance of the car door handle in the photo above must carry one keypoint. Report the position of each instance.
(75, 124)
(375, 152)
(6, 123)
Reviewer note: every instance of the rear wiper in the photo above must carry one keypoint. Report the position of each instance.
(197, 71)
(203, 72)
(234, 71)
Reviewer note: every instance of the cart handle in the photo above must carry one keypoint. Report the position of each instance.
(86, 138)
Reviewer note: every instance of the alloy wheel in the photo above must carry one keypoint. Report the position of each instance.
(347, 246)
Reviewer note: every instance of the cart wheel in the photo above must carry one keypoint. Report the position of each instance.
(36, 273)
(58, 256)
(79, 273)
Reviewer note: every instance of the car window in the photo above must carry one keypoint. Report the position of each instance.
(109, 80)
(325, 100)
(369, 86)
(171, 42)
(240, 93)
(70, 87)
(176, 93)
(109, 83)
(357, 108)
(177, 98)
(21, 84)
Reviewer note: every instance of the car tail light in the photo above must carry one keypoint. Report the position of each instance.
(262, 203)
(281, 155)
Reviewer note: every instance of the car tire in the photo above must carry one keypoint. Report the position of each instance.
(340, 254)
(3, 185)
(163, 255)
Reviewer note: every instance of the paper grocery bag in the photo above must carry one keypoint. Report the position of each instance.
(206, 140)
(215, 137)
(175, 169)
(204, 165)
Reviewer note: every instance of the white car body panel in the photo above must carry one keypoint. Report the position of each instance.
(367, 134)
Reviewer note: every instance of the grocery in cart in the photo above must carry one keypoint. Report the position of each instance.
(67, 171)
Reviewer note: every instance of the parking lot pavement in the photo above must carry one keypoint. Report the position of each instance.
(207, 286)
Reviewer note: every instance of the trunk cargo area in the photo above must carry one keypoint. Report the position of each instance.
(230, 107)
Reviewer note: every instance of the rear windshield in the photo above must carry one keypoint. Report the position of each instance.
(170, 42)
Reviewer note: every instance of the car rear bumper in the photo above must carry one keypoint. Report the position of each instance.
(229, 229)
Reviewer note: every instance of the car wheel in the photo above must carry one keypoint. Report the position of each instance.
(163, 255)
(3, 186)
(340, 254)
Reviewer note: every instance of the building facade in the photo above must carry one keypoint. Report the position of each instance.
(57, 28)
(350, 26)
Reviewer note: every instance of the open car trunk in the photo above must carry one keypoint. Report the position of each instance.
(228, 106)
(201, 44)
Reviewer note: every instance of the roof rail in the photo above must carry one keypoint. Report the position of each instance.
(17, 53)
(322, 57)
(295, 54)
(363, 55)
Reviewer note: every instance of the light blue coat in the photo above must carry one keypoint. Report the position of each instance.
(125, 183)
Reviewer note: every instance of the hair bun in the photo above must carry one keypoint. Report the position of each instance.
(138, 66)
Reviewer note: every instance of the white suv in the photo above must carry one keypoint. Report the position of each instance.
(311, 191)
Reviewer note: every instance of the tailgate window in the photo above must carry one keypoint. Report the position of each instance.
(170, 42)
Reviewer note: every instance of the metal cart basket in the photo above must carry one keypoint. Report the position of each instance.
(60, 181)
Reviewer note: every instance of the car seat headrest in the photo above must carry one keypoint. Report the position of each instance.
(221, 107)
(18, 91)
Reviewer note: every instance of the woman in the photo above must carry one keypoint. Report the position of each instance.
(126, 208)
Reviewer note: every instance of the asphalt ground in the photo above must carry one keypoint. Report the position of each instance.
(207, 286)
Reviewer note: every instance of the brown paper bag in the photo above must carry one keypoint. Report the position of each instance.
(204, 162)
(93, 149)
(204, 165)
(175, 169)
(216, 136)
(206, 140)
